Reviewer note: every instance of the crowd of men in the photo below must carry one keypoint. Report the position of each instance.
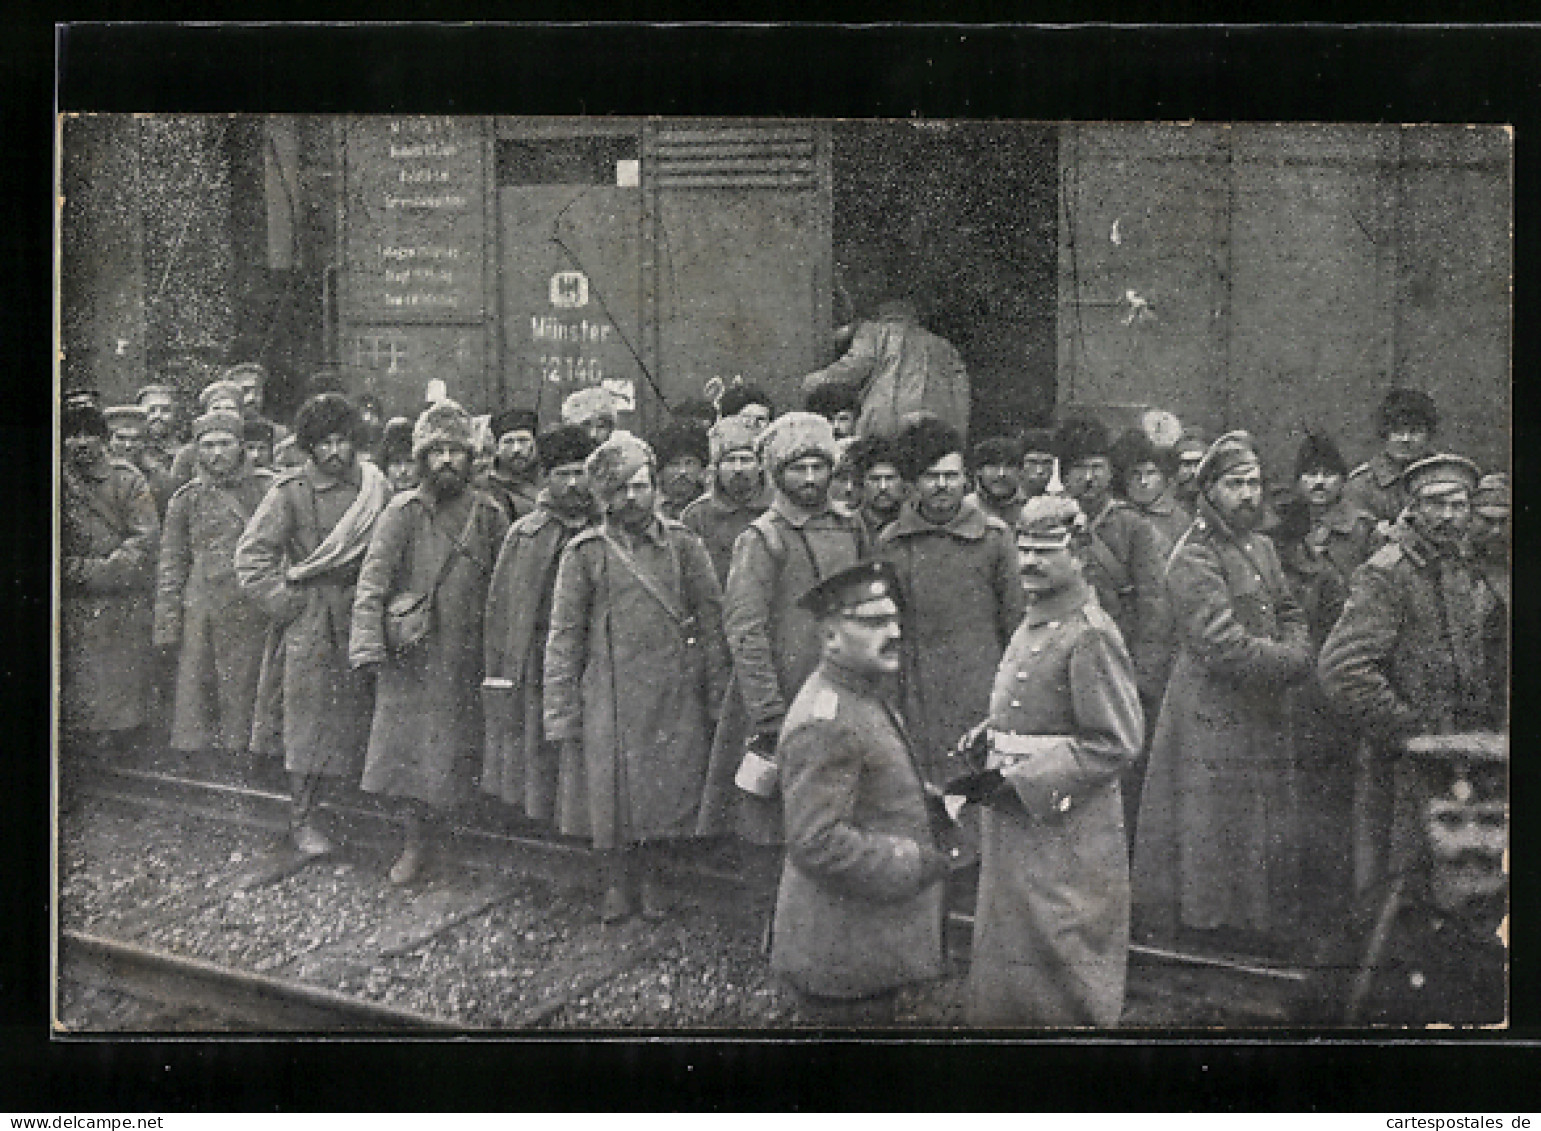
(1081, 686)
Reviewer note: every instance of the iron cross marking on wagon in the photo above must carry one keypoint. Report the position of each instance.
(378, 347)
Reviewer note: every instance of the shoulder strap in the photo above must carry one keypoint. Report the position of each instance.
(457, 546)
(654, 590)
(1110, 564)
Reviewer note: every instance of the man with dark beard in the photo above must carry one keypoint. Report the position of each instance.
(737, 495)
(996, 464)
(299, 558)
(199, 606)
(431, 557)
(108, 534)
(520, 765)
(683, 452)
(883, 489)
(514, 477)
(1216, 849)
(1409, 657)
(635, 668)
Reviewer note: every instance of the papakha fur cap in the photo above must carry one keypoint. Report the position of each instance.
(731, 434)
(321, 416)
(587, 404)
(616, 460)
(442, 423)
(922, 442)
(797, 434)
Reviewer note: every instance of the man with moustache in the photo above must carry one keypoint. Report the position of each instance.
(798, 541)
(514, 477)
(108, 532)
(683, 451)
(737, 494)
(258, 436)
(858, 910)
(520, 766)
(1189, 453)
(996, 464)
(299, 558)
(130, 442)
(593, 409)
(749, 402)
(1051, 926)
(1406, 423)
(1037, 462)
(433, 549)
(1216, 849)
(838, 404)
(636, 666)
(1142, 476)
(396, 454)
(963, 596)
(1410, 656)
(883, 489)
(200, 609)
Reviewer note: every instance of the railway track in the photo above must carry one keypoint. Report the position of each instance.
(1164, 983)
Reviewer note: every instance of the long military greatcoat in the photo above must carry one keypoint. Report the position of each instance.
(1129, 576)
(718, 521)
(964, 599)
(1377, 486)
(519, 765)
(775, 645)
(426, 738)
(637, 682)
(1051, 929)
(1218, 835)
(1409, 655)
(325, 705)
(109, 532)
(855, 915)
(200, 607)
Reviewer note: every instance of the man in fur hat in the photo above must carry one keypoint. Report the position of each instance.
(434, 546)
(748, 402)
(514, 477)
(108, 532)
(882, 488)
(299, 558)
(199, 606)
(1038, 461)
(964, 598)
(593, 409)
(838, 404)
(520, 765)
(683, 451)
(1410, 655)
(737, 494)
(996, 465)
(798, 541)
(222, 395)
(258, 436)
(1216, 849)
(1406, 423)
(396, 454)
(636, 666)
(1142, 477)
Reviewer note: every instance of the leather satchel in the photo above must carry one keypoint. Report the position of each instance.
(409, 614)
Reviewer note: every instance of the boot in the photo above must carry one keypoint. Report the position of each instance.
(409, 865)
(616, 904)
(308, 838)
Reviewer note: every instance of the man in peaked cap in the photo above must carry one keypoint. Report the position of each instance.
(435, 545)
(737, 494)
(1406, 422)
(219, 632)
(299, 558)
(521, 765)
(514, 477)
(858, 911)
(1412, 655)
(593, 409)
(683, 450)
(799, 540)
(635, 671)
(1216, 854)
(1051, 929)
(1428, 945)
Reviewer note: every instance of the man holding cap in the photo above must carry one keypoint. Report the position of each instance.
(1215, 855)
(514, 477)
(736, 496)
(858, 912)
(1051, 930)
(1408, 656)
(199, 606)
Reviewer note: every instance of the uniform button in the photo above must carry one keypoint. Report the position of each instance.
(1023, 675)
(1416, 980)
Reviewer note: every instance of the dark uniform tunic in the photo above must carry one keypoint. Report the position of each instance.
(108, 544)
(1051, 932)
(718, 521)
(200, 607)
(1377, 486)
(858, 912)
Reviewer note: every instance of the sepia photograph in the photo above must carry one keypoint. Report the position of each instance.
(780, 575)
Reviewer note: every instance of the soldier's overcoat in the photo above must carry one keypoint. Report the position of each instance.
(855, 915)
(199, 607)
(426, 738)
(1218, 834)
(963, 600)
(108, 534)
(1051, 926)
(635, 682)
